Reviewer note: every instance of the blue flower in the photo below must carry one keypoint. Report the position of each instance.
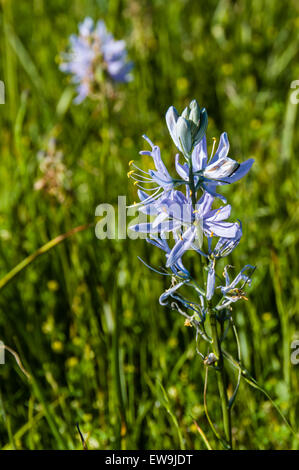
(211, 279)
(219, 169)
(157, 182)
(170, 292)
(94, 53)
(223, 248)
(178, 268)
(202, 220)
(186, 213)
(177, 214)
(230, 291)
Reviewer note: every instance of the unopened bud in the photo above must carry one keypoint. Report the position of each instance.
(210, 359)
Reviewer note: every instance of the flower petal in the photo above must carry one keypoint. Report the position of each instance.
(183, 133)
(200, 155)
(169, 292)
(222, 168)
(217, 215)
(181, 246)
(171, 119)
(182, 170)
(240, 172)
(203, 206)
(163, 227)
(240, 277)
(221, 229)
(223, 148)
(211, 281)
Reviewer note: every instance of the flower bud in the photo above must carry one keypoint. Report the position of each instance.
(188, 129)
(183, 132)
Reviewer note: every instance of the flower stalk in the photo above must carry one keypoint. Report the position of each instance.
(221, 376)
(188, 215)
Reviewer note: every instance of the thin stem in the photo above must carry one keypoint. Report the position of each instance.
(204, 437)
(206, 409)
(234, 395)
(42, 250)
(193, 197)
(221, 378)
(253, 383)
(191, 183)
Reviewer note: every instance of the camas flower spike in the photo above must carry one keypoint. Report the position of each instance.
(180, 209)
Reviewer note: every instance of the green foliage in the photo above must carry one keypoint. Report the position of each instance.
(85, 318)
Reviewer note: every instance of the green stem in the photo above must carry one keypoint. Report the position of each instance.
(44, 249)
(221, 378)
(191, 183)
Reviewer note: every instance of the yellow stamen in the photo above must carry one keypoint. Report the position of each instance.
(130, 162)
(212, 234)
(214, 142)
(130, 173)
(136, 182)
(187, 322)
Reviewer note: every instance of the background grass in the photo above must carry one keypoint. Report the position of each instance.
(85, 317)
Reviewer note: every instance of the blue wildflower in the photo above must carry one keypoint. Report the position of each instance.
(177, 214)
(187, 213)
(93, 54)
(157, 182)
(219, 169)
(188, 216)
(201, 220)
(223, 248)
(178, 268)
(230, 291)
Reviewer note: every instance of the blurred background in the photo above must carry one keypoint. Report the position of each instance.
(85, 318)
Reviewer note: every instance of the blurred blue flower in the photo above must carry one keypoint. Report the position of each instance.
(93, 53)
